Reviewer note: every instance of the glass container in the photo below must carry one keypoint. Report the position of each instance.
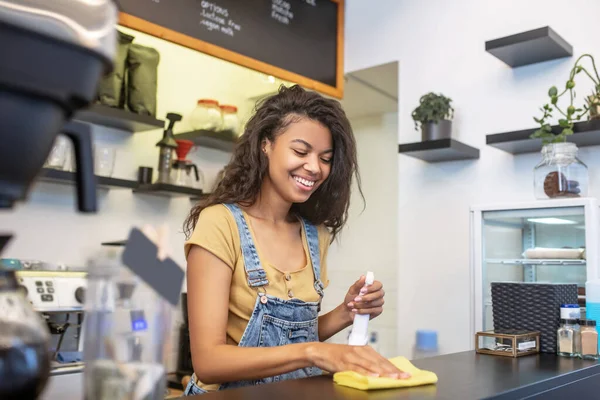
(589, 340)
(231, 122)
(126, 331)
(507, 342)
(560, 174)
(207, 115)
(568, 337)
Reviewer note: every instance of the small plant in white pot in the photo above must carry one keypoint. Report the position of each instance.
(560, 173)
(434, 114)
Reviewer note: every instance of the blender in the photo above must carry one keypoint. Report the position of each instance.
(184, 172)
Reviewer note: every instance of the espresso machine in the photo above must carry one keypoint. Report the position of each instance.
(54, 55)
(58, 297)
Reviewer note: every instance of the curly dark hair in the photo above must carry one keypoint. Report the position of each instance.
(243, 176)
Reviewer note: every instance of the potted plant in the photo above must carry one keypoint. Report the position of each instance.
(434, 114)
(561, 173)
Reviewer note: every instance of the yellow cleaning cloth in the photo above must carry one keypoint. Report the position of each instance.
(418, 377)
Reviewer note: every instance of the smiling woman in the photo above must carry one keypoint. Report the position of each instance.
(257, 252)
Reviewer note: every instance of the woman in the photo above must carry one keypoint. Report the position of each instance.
(257, 253)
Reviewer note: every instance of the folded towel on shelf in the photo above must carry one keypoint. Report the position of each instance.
(357, 381)
(558, 253)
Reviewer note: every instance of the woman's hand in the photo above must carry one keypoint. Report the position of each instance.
(362, 359)
(365, 300)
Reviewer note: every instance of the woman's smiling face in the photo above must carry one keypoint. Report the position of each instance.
(300, 159)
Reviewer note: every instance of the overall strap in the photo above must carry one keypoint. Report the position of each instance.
(255, 273)
(312, 238)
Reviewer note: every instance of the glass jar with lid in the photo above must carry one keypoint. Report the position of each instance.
(589, 339)
(231, 121)
(207, 115)
(560, 174)
(568, 338)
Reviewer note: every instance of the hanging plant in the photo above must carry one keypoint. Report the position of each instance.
(571, 114)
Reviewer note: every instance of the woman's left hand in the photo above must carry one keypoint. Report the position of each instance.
(365, 300)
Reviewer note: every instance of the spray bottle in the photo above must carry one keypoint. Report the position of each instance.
(360, 327)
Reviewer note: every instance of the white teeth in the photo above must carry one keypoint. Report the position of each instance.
(303, 181)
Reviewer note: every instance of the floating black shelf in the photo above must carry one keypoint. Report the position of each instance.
(439, 150)
(585, 133)
(219, 140)
(168, 190)
(118, 118)
(66, 177)
(538, 45)
(161, 189)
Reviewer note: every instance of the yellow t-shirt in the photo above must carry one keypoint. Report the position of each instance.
(217, 232)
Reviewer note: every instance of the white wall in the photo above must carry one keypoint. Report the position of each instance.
(368, 242)
(441, 47)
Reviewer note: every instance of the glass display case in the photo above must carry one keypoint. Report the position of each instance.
(553, 241)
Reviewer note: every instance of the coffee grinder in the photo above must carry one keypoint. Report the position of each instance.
(167, 144)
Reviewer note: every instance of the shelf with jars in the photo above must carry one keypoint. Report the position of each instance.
(215, 125)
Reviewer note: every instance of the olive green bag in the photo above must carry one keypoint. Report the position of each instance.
(111, 90)
(142, 71)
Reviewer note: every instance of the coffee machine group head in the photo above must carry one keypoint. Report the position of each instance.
(54, 55)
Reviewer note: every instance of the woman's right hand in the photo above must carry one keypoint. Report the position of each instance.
(362, 359)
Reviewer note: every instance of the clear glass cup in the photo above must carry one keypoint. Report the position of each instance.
(104, 160)
(58, 155)
(560, 174)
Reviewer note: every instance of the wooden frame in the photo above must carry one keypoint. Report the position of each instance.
(513, 337)
(150, 28)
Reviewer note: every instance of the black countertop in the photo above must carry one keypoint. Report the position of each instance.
(461, 376)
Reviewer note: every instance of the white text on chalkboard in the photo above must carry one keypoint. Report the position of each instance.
(281, 11)
(215, 18)
(210, 6)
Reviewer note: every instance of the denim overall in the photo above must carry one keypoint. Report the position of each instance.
(275, 322)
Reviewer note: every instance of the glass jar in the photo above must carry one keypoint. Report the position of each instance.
(231, 121)
(207, 115)
(568, 338)
(589, 339)
(560, 174)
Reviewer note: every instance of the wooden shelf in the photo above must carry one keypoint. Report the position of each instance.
(585, 133)
(219, 140)
(167, 190)
(68, 178)
(439, 150)
(117, 118)
(529, 47)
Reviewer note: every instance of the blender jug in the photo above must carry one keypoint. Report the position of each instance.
(127, 333)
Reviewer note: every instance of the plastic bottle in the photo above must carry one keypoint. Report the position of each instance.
(592, 300)
(426, 344)
(360, 327)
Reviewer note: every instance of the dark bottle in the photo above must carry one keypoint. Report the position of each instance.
(24, 340)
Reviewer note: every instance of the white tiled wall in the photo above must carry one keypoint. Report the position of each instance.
(369, 241)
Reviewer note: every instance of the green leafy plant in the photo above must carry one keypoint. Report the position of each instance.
(432, 108)
(571, 114)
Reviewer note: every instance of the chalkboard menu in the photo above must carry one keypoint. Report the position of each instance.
(296, 40)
